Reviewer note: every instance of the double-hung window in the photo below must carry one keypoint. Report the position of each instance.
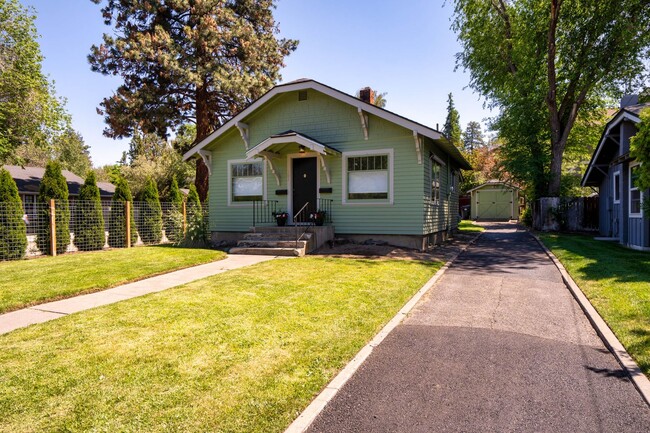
(246, 181)
(635, 193)
(368, 177)
(436, 169)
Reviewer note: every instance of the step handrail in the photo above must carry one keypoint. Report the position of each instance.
(302, 212)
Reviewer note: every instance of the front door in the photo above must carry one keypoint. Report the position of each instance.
(304, 186)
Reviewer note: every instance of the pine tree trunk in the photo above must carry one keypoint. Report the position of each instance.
(202, 130)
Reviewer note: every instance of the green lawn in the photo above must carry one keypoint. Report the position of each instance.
(467, 226)
(243, 351)
(29, 282)
(617, 282)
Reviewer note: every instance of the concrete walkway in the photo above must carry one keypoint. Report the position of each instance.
(499, 345)
(53, 310)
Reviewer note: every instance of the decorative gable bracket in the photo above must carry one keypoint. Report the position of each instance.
(364, 122)
(325, 168)
(418, 146)
(243, 130)
(206, 156)
(269, 157)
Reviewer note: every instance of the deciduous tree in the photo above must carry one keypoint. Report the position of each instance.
(198, 61)
(542, 63)
(640, 150)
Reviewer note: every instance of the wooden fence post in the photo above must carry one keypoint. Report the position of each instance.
(52, 227)
(127, 209)
(184, 219)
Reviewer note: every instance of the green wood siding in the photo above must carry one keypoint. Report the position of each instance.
(338, 125)
(444, 215)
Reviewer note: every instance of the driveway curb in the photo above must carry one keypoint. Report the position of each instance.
(640, 381)
(304, 420)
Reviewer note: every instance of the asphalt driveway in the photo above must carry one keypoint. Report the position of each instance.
(498, 345)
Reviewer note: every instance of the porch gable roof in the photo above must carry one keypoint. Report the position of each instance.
(291, 137)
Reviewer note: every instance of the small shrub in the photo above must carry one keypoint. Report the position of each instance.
(174, 218)
(89, 228)
(117, 218)
(13, 233)
(527, 217)
(54, 186)
(150, 217)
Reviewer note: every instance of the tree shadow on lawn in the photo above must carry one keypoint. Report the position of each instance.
(605, 260)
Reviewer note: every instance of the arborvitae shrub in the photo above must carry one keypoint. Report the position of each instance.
(117, 217)
(89, 221)
(196, 234)
(53, 186)
(174, 218)
(150, 215)
(13, 233)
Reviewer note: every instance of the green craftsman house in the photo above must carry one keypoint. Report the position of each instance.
(318, 156)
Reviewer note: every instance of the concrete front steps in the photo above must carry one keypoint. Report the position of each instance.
(281, 241)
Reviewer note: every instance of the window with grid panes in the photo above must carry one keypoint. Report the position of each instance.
(247, 181)
(367, 177)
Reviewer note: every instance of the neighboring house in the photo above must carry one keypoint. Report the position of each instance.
(495, 200)
(612, 171)
(28, 180)
(377, 174)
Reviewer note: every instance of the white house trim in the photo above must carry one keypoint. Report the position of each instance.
(206, 156)
(418, 146)
(336, 94)
(629, 193)
(364, 122)
(243, 130)
(291, 138)
(616, 174)
(344, 172)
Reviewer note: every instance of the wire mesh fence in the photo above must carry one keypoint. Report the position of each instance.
(59, 227)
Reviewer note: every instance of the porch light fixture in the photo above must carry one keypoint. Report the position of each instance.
(301, 149)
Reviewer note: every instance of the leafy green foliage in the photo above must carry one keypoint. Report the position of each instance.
(174, 218)
(117, 216)
(29, 110)
(640, 150)
(53, 187)
(200, 62)
(89, 232)
(13, 233)
(150, 215)
(451, 129)
(545, 63)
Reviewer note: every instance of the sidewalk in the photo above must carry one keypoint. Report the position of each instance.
(498, 345)
(53, 310)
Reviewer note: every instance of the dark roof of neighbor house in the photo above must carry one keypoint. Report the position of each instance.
(630, 113)
(28, 180)
(306, 83)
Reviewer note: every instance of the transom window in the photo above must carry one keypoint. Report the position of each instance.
(368, 177)
(247, 181)
(436, 169)
(635, 193)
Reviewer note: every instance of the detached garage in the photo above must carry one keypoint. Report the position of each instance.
(495, 200)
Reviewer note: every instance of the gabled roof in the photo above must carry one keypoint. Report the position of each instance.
(291, 137)
(494, 182)
(28, 180)
(303, 84)
(631, 113)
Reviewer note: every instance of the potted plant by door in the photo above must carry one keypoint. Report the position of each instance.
(318, 217)
(281, 218)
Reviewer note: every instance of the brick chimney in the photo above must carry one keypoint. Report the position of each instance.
(367, 95)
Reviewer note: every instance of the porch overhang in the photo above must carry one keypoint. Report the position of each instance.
(270, 146)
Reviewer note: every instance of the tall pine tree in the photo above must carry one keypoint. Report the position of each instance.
(452, 130)
(53, 187)
(198, 61)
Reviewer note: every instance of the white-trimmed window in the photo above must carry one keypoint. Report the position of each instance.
(368, 176)
(245, 181)
(636, 198)
(616, 186)
(434, 190)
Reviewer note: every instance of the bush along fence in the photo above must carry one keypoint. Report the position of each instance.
(60, 227)
(571, 214)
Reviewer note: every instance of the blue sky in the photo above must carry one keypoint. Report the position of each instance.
(404, 48)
